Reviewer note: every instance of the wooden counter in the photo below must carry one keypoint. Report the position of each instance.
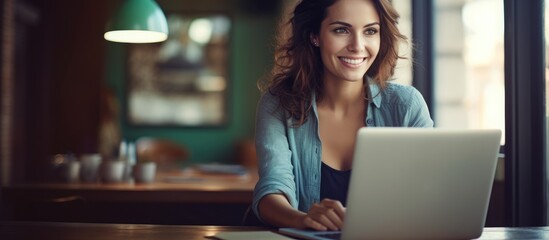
(169, 187)
(174, 198)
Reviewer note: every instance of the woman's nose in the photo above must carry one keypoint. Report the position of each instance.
(357, 43)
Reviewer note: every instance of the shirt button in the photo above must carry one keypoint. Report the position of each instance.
(370, 121)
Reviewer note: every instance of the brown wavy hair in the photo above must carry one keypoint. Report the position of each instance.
(298, 69)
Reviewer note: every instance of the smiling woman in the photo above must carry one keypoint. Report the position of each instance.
(330, 79)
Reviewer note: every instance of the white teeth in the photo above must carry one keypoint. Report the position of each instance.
(353, 61)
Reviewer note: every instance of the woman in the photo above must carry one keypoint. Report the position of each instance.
(329, 80)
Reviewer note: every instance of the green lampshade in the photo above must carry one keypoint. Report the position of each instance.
(138, 21)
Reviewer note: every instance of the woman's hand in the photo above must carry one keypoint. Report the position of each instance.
(326, 215)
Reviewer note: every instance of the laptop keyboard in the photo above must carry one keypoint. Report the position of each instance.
(330, 235)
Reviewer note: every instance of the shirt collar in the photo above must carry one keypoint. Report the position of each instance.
(313, 97)
(374, 95)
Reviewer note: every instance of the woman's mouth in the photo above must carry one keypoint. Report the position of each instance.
(353, 61)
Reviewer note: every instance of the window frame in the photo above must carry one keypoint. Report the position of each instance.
(525, 174)
(423, 70)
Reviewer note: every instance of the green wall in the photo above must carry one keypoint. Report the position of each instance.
(250, 59)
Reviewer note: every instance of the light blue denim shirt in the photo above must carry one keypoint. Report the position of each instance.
(289, 158)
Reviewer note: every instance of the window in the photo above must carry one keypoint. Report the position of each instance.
(469, 64)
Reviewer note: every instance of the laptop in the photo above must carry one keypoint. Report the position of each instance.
(417, 183)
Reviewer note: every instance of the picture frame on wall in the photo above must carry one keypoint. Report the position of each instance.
(183, 81)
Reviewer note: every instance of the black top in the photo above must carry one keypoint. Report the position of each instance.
(334, 183)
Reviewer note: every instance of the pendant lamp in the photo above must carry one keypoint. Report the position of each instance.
(138, 21)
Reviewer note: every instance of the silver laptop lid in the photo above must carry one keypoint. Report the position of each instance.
(420, 183)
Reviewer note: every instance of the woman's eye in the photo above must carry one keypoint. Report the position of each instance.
(371, 31)
(340, 30)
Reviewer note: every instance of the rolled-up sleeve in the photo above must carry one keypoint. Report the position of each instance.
(273, 153)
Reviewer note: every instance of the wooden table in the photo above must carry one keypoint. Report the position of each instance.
(93, 231)
(175, 198)
(84, 231)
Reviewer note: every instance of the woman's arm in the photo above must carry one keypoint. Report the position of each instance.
(276, 177)
(275, 195)
(326, 215)
(276, 210)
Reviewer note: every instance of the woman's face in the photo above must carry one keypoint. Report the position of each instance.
(349, 39)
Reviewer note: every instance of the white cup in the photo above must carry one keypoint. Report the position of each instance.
(144, 172)
(89, 170)
(72, 171)
(113, 171)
